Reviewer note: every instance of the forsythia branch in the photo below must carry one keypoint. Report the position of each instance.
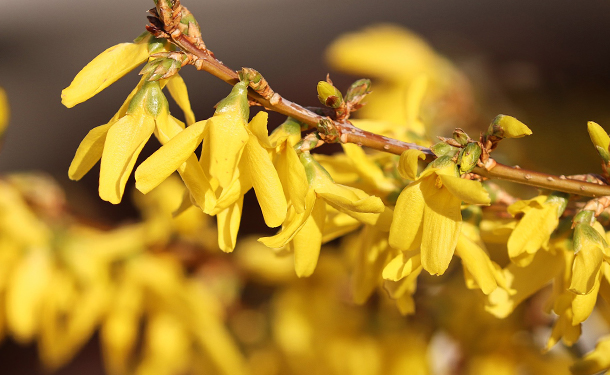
(203, 59)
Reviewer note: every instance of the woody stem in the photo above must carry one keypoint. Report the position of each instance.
(351, 134)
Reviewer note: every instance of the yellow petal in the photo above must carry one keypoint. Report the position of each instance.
(104, 70)
(228, 226)
(531, 233)
(583, 304)
(258, 127)
(169, 157)
(402, 266)
(407, 167)
(89, 152)
(524, 281)
(478, 264)
(294, 222)
(293, 178)
(441, 228)
(223, 147)
(406, 228)
(369, 171)
(191, 172)
(586, 269)
(595, 361)
(338, 224)
(466, 190)
(266, 183)
(25, 292)
(177, 89)
(4, 111)
(415, 96)
(349, 199)
(124, 141)
(307, 242)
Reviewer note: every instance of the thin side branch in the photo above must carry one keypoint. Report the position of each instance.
(204, 60)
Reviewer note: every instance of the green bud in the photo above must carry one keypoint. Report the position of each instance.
(442, 149)
(358, 90)
(156, 45)
(329, 95)
(584, 217)
(469, 157)
(508, 127)
(600, 139)
(461, 137)
(327, 129)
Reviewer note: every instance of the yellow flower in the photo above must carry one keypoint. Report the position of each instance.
(233, 157)
(108, 67)
(594, 362)
(540, 218)
(590, 247)
(427, 214)
(303, 232)
(4, 112)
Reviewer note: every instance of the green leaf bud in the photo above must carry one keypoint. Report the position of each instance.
(358, 90)
(469, 157)
(461, 137)
(442, 149)
(329, 95)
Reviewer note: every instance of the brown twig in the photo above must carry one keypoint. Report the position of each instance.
(204, 59)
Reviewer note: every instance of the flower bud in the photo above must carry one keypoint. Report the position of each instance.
(600, 139)
(469, 157)
(508, 127)
(442, 149)
(358, 90)
(461, 137)
(329, 95)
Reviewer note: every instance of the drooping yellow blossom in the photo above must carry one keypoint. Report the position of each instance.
(4, 111)
(303, 232)
(108, 67)
(595, 361)
(480, 272)
(540, 218)
(233, 157)
(427, 217)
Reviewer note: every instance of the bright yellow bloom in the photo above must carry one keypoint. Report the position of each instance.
(427, 216)
(234, 158)
(108, 67)
(303, 232)
(4, 111)
(590, 247)
(540, 218)
(594, 362)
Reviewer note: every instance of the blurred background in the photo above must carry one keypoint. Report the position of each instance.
(544, 62)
